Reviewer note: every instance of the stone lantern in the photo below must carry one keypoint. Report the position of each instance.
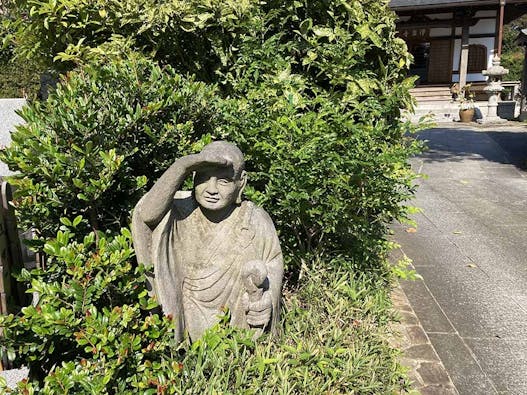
(494, 89)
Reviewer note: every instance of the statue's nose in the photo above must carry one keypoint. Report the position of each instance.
(212, 186)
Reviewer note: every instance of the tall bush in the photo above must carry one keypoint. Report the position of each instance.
(512, 57)
(18, 77)
(96, 145)
(93, 313)
(318, 90)
(311, 92)
(193, 36)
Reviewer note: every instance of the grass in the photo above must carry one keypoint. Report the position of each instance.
(335, 341)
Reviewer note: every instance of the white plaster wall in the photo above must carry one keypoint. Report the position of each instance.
(472, 77)
(484, 13)
(440, 32)
(8, 120)
(444, 15)
(484, 26)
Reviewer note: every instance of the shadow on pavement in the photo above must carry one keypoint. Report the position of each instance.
(459, 144)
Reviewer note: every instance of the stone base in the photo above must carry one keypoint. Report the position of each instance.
(491, 121)
(523, 116)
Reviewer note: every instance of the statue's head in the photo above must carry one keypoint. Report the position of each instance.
(219, 188)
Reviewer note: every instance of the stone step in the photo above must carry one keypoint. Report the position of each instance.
(436, 95)
(434, 98)
(425, 92)
(430, 88)
(438, 105)
(442, 111)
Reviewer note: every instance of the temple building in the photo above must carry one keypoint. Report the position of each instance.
(452, 41)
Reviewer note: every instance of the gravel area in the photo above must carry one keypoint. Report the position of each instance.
(13, 376)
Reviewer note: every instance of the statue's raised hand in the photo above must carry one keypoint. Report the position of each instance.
(205, 160)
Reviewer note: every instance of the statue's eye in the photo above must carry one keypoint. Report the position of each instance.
(200, 178)
(224, 181)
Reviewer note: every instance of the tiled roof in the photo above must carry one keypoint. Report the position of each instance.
(404, 4)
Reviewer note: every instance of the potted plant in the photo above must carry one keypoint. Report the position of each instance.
(467, 107)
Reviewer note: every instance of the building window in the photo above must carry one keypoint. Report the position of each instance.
(477, 58)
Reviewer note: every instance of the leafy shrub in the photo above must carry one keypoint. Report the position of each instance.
(193, 36)
(331, 183)
(92, 310)
(310, 91)
(18, 79)
(93, 330)
(513, 54)
(316, 106)
(513, 61)
(96, 145)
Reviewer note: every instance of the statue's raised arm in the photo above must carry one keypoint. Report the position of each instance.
(158, 201)
(209, 249)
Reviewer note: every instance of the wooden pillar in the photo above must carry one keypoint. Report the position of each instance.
(524, 74)
(522, 41)
(463, 63)
(500, 26)
(523, 103)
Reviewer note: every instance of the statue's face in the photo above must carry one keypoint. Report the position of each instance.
(216, 188)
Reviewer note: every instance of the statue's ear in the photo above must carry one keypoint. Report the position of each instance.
(242, 184)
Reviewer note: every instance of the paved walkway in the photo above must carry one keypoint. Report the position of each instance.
(470, 249)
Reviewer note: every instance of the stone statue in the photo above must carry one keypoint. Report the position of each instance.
(210, 250)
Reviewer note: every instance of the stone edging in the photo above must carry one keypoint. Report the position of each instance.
(426, 371)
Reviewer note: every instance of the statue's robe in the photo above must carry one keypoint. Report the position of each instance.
(198, 265)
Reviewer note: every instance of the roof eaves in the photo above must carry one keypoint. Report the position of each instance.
(401, 5)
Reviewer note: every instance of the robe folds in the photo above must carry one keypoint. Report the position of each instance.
(198, 266)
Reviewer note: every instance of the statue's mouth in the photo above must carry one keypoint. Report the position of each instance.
(211, 199)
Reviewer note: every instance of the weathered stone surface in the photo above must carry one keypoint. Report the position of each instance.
(425, 369)
(434, 373)
(437, 390)
(409, 318)
(417, 335)
(471, 255)
(210, 249)
(421, 351)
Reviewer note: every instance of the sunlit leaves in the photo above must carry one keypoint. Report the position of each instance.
(95, 145)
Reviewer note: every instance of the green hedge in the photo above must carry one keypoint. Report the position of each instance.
(312, 93)
(105, 135)
(18, 79)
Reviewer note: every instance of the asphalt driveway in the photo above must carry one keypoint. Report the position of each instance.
(470, 247)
